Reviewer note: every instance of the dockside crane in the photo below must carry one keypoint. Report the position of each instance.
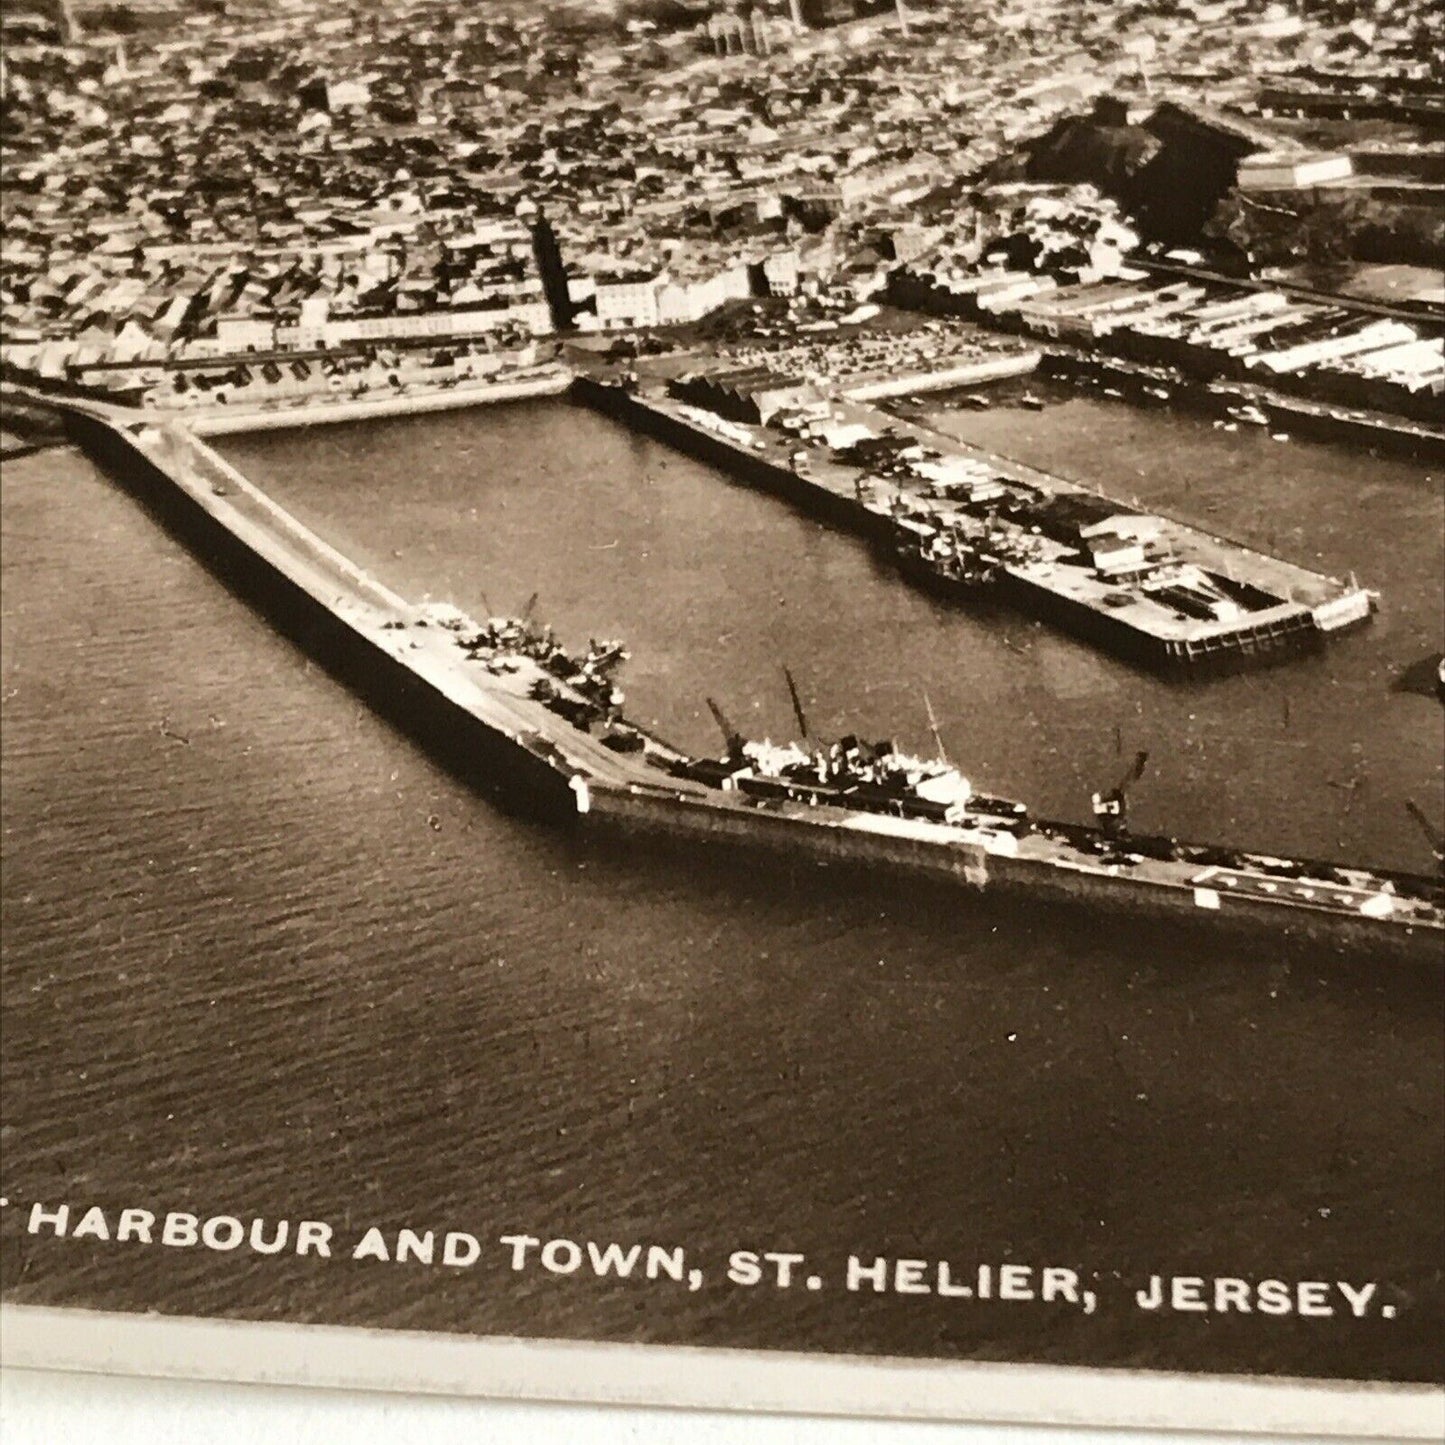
(797, 706)
(822, 760)
(847, 757)
(1433, 835)
(1111, 809)
(731, 735)
(541, 641)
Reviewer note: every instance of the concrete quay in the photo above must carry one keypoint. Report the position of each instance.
(232, 420)
(1281, 609)
(389, 650)
(410, 664)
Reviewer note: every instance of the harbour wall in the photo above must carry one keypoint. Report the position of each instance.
(737, 461)
(1244, 646)
(309, 593)
(779, 833)
(233, 421)
(996, 883)
(300, 600)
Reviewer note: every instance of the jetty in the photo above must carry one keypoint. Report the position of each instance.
(1146, 587)
(411, 661)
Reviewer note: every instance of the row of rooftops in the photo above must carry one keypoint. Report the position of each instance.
(296, 135)
(1272, 333)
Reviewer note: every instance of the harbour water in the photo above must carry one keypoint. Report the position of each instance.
(264, 957)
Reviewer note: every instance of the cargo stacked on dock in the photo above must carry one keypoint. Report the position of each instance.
(451, 680)
(1147, 588)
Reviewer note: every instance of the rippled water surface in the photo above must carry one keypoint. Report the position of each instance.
(263, 956)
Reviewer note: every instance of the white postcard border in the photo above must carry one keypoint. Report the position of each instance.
(568, 1371)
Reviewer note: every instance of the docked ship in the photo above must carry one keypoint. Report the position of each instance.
(852, 772)
(936, 821)
(871, 802)
(947, 563)
(508, 707)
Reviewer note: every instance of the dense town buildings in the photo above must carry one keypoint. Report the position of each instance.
(258, 176)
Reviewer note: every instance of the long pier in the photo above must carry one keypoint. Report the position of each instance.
(355, 620)
(1199, 605)
(496, 736)
(1288, 609)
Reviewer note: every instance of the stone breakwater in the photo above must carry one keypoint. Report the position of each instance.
(511, 745)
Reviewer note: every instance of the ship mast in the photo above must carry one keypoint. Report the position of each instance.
(933, 728)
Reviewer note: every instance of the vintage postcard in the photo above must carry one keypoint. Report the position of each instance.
(729, 703)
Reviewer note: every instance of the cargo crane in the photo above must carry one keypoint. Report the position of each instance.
(525, 616)
(797, 706)
(734, 739)
(1433, 835)
(542, 641)
(1111, 809)
(819, 760)
(844, 762)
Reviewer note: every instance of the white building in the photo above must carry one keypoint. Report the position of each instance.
(311, 325)
(632, 301)
(781, 272)
(245, 333)
(1290, 171)
(1374, 337)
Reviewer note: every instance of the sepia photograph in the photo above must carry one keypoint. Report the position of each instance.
(728, 704)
